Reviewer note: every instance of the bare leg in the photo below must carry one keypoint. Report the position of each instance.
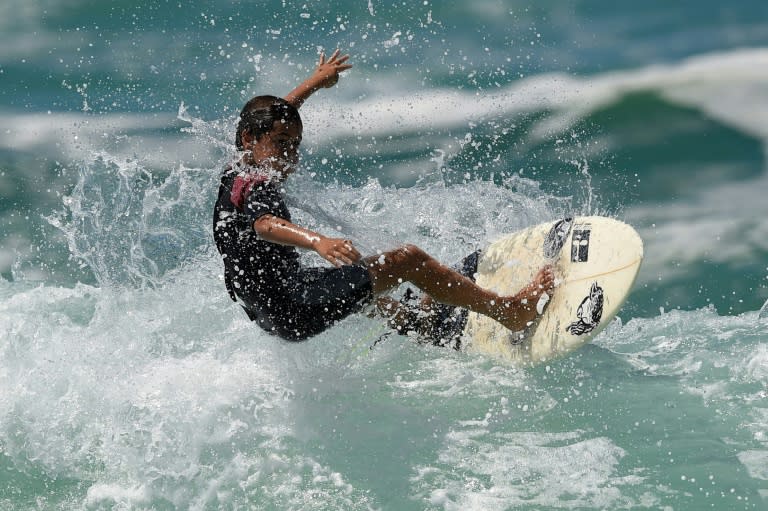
(410, 263)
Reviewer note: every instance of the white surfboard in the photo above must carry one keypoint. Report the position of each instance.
(596, 260)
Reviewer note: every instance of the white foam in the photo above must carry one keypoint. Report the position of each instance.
(756, 463)
(156, 395)
(755, 366)
(116, 495)
(495, 472)
(448, 377)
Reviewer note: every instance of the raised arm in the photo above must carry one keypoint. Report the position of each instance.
(326, 75)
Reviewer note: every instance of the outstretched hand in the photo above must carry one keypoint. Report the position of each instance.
(337, 251)
(325, 75)
(327, 71)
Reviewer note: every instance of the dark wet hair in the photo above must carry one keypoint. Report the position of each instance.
(260, 114)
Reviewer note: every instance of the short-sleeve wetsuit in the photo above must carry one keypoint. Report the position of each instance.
(285, 298)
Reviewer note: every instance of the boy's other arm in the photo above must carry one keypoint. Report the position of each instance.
(326, 75)
(336, 251)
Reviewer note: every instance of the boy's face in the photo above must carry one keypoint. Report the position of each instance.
(278, 148)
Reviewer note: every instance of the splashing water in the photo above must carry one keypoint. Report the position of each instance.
(133, 382)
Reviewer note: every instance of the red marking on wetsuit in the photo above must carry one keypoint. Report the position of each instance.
(242, 187)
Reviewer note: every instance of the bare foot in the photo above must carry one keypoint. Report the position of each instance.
(518, 311)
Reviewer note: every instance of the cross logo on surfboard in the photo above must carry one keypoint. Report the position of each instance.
(580, 243)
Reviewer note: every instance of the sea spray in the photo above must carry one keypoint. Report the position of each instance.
(128, 226)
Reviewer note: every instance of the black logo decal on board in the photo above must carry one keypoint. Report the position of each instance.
(556, 237)
(580, 243)
(589, 312)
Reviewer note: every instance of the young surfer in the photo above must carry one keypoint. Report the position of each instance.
(257, 240)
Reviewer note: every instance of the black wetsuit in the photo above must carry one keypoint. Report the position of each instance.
(285, 298)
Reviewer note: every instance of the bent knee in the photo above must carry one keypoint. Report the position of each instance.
(401, 258)
(392, 268)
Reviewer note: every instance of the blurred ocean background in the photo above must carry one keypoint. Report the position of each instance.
(129, 380)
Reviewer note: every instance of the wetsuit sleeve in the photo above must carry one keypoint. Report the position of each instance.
(264, 199)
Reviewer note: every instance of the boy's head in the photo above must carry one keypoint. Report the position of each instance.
(270, 128)
(259, 115)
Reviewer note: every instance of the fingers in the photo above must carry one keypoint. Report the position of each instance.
(335, 60)
(348, 253)
(343, 252)
(341, 64)
(354, 254)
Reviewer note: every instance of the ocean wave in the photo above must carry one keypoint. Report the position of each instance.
(156, 139)
(725, 85)
(728, 86)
